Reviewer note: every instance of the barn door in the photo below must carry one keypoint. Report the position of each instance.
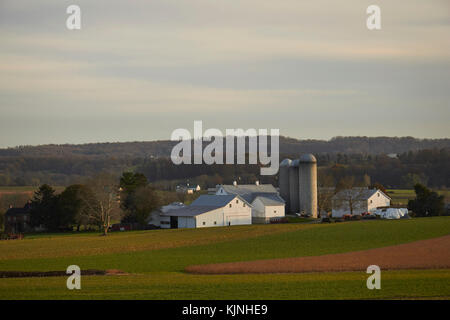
(173, 222)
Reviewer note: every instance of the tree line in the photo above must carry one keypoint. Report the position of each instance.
(428, 167)
(99, 202)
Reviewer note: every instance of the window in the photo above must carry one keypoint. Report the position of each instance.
(378, 194)
(274, 211)
(244, 204)
(230, 205)
(204, 222)
(215, 222)
(370, 201)
(237, 201)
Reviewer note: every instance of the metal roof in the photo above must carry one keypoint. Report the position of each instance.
(213, 200)
(358, 193)
(250, 191)
(271, 200)
(189, 211)
(203, 204)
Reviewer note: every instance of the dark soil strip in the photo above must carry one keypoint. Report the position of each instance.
(28, 274)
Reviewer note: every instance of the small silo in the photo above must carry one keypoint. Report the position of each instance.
(308, 184)
(294, 187)
(283, 182)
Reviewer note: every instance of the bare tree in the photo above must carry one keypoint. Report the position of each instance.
(103, 201)
(349, 195)
(325, 192)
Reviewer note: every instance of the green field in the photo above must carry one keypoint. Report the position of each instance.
(402, 196)
(156, 261)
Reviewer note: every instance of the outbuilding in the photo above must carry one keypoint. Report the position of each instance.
(209, 211)
(357, 201)
(265, 200)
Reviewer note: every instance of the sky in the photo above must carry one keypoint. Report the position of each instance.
(137, 70)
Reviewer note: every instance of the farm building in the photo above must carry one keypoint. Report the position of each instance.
(265, 200)
(188, 188)
(358, 200)
(209, 211)
(17, 220)
(154, 218)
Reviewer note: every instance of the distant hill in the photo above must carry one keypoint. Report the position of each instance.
(419, 160)
(162, 148)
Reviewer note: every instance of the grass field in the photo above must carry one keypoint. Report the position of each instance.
(156, 261)
(402, 196)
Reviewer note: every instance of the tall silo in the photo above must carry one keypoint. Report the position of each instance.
(294, 187)
(283, 182)
(308, 184)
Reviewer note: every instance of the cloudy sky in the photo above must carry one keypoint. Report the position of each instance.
(137, 70)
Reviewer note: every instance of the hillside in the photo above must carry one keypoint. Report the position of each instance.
(162, 148)
(419, 160)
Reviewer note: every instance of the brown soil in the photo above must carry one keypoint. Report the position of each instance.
(423, 254)
(115, 272)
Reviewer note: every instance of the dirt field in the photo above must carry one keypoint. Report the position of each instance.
(423, 254)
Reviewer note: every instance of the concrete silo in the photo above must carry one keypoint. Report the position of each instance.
(283, 182)
(308, 184)
(294, 187)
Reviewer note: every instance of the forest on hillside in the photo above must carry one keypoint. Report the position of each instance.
(162, 148)
(430, 167)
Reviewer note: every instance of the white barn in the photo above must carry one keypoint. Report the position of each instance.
(154, 218)
(265, 200)
(358, 200)
(209, 211)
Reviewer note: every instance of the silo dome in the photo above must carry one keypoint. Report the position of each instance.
(307, 158)
(285, 163)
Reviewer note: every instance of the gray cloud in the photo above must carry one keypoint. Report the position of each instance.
(311, 69)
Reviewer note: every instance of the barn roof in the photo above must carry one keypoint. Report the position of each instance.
(357, 193)
(249, 192)
(189, 211)
(271, 200)
(17, 211)
(213, 200)
(203, 204)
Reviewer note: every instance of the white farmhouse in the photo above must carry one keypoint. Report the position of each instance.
(209, 211)
(265, 200)
(358, 200)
